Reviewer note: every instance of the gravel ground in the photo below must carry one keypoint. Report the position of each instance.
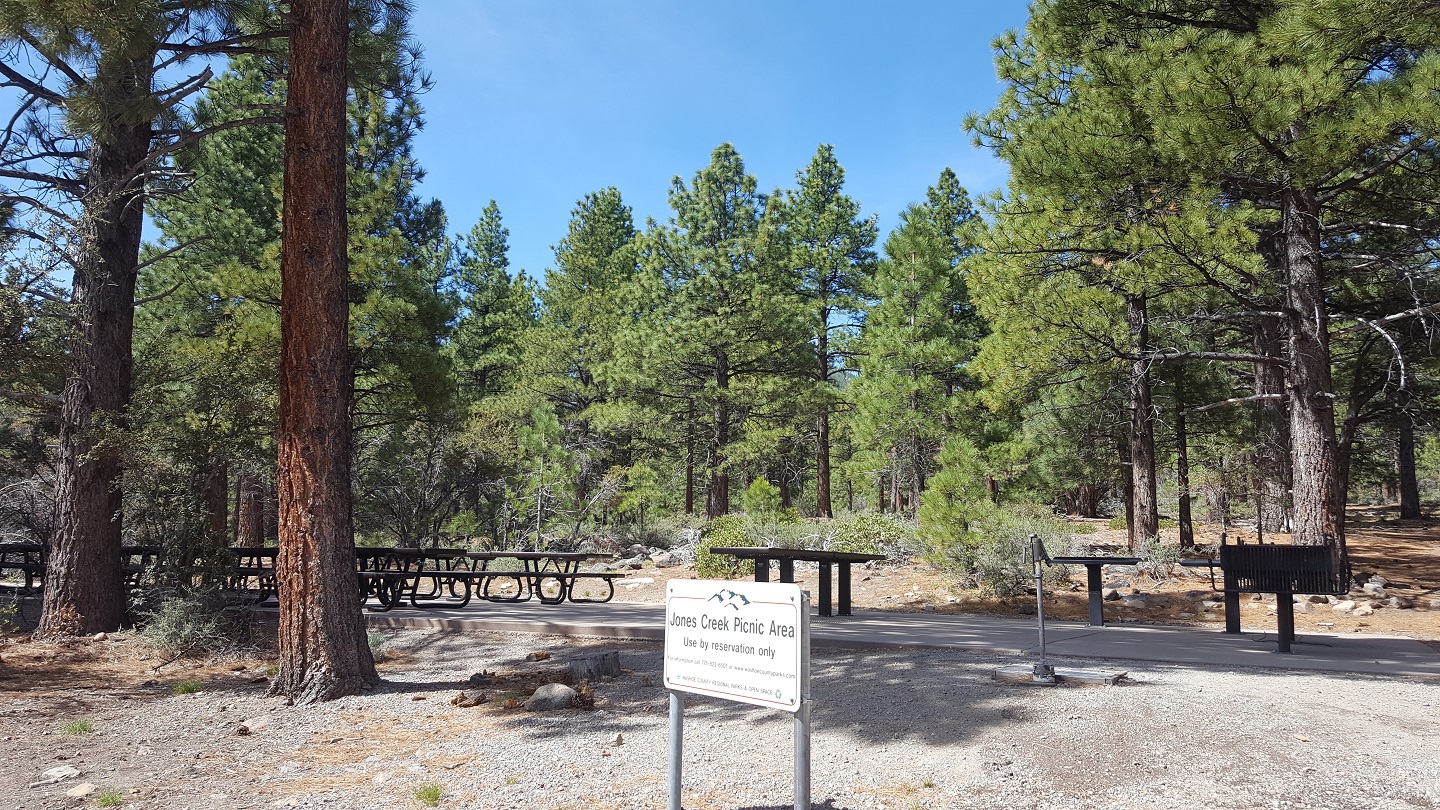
(895, 729)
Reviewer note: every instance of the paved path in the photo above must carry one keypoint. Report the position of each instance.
(1355, 653)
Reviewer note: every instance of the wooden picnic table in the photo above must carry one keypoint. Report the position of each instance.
(786, 557)
(392, 575)
(26, 559)
(539, 567)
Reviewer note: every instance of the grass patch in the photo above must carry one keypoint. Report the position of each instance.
(79, 727)
(110, 798)
(429, 794)
(187, 687)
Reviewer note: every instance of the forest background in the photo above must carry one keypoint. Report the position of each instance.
(1208, 286)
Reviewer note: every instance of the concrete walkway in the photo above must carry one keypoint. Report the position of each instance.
(1354, 653)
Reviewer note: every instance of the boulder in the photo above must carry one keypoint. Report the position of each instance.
(1400, 603)
(1343, 607)
(1110, 595)
(551, 697)
(665, 559)
(1302, 607)
(687, 537)
(1134, 602)
(1211, 604)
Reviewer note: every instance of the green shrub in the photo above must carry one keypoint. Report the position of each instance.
(1157, 559)
(868, 534)
(726, 530)
(761, 497)
(1003, 540)
(109, 798)
(377, 643)
(190, 623)
(79, 727)
(1117, 522)
(8, 612)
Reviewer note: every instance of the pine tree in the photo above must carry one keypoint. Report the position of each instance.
(831, 253)
(1276, 124)
(720, 330)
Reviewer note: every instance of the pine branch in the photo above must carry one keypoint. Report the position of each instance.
(1236, 401)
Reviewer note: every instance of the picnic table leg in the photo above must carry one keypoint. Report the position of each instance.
(844, 589)
(824, 589)
(762, 570)
(787, 570)
(1097, 599)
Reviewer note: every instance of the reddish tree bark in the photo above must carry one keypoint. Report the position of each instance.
(323, 649)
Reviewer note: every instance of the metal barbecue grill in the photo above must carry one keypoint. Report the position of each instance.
(1283, 571)
(1287, 569)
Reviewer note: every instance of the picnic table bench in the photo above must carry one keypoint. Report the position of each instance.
(787, 557)
(254, 571)
(27, 560)
(1093, 580)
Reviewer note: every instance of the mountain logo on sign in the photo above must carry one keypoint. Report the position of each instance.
(729, 598)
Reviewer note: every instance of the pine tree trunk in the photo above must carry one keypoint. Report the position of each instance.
(217, 502)
(1127, 484)
(1145, 523)
(690, 460)
(324, 652)
(823, 507)
(1318, 506)
(1409, 482)
(84, 592)
(250, 513)
(1272, 440)
(717, 487)
(1182, 462)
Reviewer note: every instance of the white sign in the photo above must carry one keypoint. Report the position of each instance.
(735, 640)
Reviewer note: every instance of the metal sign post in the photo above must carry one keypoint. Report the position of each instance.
(746, 642)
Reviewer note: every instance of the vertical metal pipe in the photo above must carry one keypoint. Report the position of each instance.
(677, 747)
(802, 717)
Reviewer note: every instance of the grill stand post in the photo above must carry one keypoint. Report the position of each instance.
(1285, 618)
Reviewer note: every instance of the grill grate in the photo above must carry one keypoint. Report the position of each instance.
(1284, 569)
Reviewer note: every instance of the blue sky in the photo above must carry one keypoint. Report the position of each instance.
(537, 102)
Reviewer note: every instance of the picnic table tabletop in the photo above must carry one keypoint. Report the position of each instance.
(804, 554)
